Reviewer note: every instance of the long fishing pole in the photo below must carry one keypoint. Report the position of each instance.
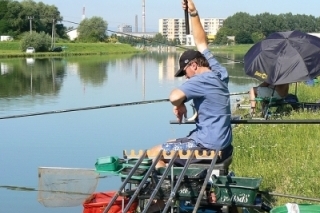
(159, 42)
(84, 108)
(261, 121)
(29, 189)
(95, 107)
(186, 17)
(290, 196)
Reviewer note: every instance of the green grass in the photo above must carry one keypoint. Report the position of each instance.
(286, 156)
(12, 49)
(241, 48)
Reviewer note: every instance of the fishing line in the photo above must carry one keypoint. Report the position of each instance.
(96, 107)
(158, 42)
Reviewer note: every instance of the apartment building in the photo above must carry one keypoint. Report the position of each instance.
(174, 28)
(124, 28)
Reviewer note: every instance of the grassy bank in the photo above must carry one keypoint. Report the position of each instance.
(286, 156)
(238, 49)
(241, 48)
(12, 49)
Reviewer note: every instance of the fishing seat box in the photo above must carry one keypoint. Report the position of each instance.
(97, 202)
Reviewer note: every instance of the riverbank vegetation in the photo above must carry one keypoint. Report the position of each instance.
(285, 156)
(241, 48)
(249, 29)
(11, 49)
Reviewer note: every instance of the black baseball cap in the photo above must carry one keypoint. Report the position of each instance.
(185, 58)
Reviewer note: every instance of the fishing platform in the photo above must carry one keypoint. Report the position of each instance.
(206, 187)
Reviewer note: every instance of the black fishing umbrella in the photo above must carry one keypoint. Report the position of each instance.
(284, 57)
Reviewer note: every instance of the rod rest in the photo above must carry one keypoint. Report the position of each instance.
(233, 118)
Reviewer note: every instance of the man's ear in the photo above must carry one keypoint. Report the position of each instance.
(195, 65)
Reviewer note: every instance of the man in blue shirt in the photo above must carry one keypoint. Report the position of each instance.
(207, 85)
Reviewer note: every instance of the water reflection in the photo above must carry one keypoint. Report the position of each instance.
(21, 77)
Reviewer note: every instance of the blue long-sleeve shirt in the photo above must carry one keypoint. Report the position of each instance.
(210, 94)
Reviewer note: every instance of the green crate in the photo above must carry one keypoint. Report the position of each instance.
(303, 208)
(235, 190)
(108, 164)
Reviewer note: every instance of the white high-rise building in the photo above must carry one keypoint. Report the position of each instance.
(174, 28)
(124, 28)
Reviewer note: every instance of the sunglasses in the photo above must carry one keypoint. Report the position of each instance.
(188, 65)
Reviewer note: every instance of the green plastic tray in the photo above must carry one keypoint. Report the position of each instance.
(108, 164)
(235, 190)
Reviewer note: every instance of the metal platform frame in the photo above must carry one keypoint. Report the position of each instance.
(170, 201)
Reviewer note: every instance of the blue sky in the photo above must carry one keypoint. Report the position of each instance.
(117, 12)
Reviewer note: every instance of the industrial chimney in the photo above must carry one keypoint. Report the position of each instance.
(136, 23)
(83, 13)
(143, 16)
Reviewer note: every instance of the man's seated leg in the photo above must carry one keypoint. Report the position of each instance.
(252, 97)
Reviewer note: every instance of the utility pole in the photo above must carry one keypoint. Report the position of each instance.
(30, 20)
(53, 33)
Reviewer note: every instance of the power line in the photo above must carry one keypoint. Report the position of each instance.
(146, 39)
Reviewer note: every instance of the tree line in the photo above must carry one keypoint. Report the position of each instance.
(249, 29)
(17, 19)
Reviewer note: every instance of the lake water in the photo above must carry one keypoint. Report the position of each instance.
(77, 139)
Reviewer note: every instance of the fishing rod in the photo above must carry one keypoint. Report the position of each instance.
(96, 107)
(30, 189)
(290, 196)
(150, 40)
(260, 121)
(186, 17)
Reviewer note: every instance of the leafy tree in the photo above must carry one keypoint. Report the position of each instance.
(241, 21)
(4, 25)
(92, 30)
(48, 17)
(159, 39)
(243, 37)
(222, 35)
(43, 17)
(257, 36)
(14, 16)
(3, 8)
(40, 41)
